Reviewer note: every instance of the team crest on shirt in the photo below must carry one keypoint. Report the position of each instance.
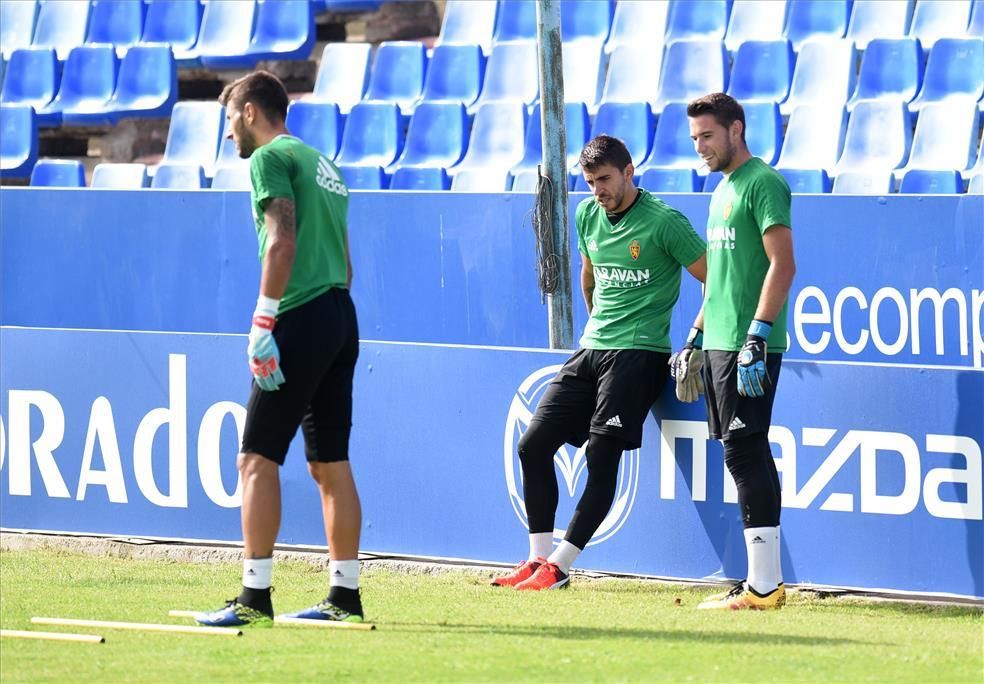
(634, 249)
(727, 211)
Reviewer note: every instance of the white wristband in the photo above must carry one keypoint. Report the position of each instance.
(267, 306)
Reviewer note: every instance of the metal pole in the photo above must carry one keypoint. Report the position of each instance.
(560, 313)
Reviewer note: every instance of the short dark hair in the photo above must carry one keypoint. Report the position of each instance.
(261, 88)
(605, 149)
(724, 108)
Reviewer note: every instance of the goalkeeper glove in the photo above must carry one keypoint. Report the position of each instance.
(753, 377)
(685, 367)
(263, 354)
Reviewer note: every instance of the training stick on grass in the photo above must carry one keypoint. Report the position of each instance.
(138, 626)
(52, 636)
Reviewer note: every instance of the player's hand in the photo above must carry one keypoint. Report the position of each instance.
(753, 377)
(686, 365)
(264, 357)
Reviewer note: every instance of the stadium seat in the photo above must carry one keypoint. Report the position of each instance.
(891, 68)
(232, 178)
(420, 178)
(398, 74)
(116, 22)
(174, 23)
(672, 145)
(863, 183)
(658, 179)
(343, 74)
(515, 21)
(811, 19)
(512, 74)
(194, 135)
(228, 156)
(17, 20)
(179, 177)
(18, 140)
(930, 182)
(638, 23)
(224, 39)
(31, 77)
(481, 180)
(759, 20)
(763, 130)
(631, 122)
(814, 138)
(373, 135)
(946, 136)
(762, 71)
(284, 30)
(525, 181)
(454, 74)
(824, 74)
(585, 19)
(120, 176)
(147, 85)
(878, 137)
(468, 22)
(437, 136)
(697, 19)
(633, 73)
(871, 19)
(497, 139)
(976, 186)
(938, 19)
(692, 68)
(350, 5)
(814, 181)
(713, 179)
(87, 84)
(976, 27)
(955, 68)
(368, 177)
(58, 173)
(577, 126)
(62, 26)
(583, 71)
(319, 124)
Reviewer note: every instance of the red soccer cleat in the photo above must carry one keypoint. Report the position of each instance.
(521, 572)
(547, 576)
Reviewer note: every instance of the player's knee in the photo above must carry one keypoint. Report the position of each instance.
(534, 444)
(603, 456)
(253, 466)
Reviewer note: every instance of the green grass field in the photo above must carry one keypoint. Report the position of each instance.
(453, 627)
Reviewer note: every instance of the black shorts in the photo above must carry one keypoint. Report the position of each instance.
(728, 413)
(604, 392)
(319, 345)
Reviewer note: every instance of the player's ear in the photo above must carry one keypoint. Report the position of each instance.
(629, 172)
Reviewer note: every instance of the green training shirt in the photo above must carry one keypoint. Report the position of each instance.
(744, 205)
(636, 271)
(287, 167)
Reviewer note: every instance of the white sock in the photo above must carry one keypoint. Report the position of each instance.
(257, 572)
(563, 556)
(762, 544)
(343, 573)
(778, 556)
(541, 544)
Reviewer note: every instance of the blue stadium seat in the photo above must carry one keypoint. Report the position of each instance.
(814, 181)
(373, 135)
(31, 77)
(891, 68)
(87, 85)
(762, 72)
(319, 124)
(194, 134)
(515, 21)
(878, 137)
(468, 22)
(938, 19)
(672, 145)
(658, 179)
(497, 138)
(120, 176)
(871, 19)
(343, 74)
(577, 126)
(437, 135)
(18, 140)
(525, 181)
(349, 5)
(232, 178)
(692, 68)
(638, 23)
(512, 74)
(58, 173)
(814, 138)
(361, 177)
(824, 74)
(147, 85)
(976, 27)
(17, 20)
(174, 23)
(398, 74)
(454, 74)
(811, 19)
(755, 20)
(633, 73)
(228, 156)
(62, 25)
(116, 22)
(863, 183)
(700, 19)
(420, 178)
(946, 136)
(583, 71)
(955, 67)
(976, 185)
(763, 130)
(179, 177)
(713, 179)
(585, 19)
(493, 179)
(224, 39)
(632, 123)
(284, 30)
(930, 182)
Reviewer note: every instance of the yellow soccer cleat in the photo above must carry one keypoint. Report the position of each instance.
(743, 597)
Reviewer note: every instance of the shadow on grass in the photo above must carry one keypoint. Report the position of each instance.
(897, 608)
